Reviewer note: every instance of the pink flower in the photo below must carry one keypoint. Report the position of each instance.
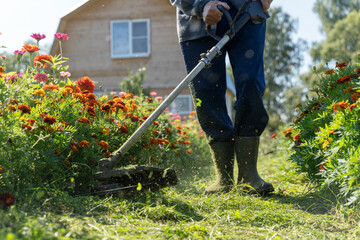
(122, 94)
(3, 57)
(38, 36)
(159, 99)
(153, 93)
(11, 78)
(61, 36)
(41, 77)
(19, 52)
(65, 74)
(167, 110)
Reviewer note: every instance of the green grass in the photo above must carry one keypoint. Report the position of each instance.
(297, 210)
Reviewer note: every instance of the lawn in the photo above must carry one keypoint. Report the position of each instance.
(296, 210)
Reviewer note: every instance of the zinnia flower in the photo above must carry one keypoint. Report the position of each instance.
(30, 48)
(42, 60)
(38, 36)
(19, 52)
(41, 77)
(61, 36)
(51, 87)
(85, 83)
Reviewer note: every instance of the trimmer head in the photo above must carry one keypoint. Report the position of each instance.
(138, 178)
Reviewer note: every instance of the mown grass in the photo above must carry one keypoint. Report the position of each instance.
(296, 210)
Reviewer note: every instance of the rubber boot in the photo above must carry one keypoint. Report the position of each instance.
(246, 149)
(223, 158)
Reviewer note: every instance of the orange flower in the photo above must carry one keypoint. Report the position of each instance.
(343, 79)
(124, 129)
(30, 48)
(274, 135)
(85, 83)
(11, 107)
(296, 137)
(49, 119)
(134, 118)
(156, 123)
(24, 108)
(2, 71)
(132, 159)
(84, 143)
(340, 65)
(352, 106)
(42, 60)
(51, 87)
(153, 159)
(340, 106)
(322, 166)
(107, 154)
(106, 131)
(329, 72)
(84, 120)
(1, 170)
(188, 151)
(105, 107)
(73, 147)
(67, 163)
(145, 144)
(39, 92)
(355, 96)
(103, 144)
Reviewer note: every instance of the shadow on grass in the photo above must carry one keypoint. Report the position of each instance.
(314, 201)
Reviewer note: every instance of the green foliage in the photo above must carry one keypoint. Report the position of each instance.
(133, 83)
(326, 144)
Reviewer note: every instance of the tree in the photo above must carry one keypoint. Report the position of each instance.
(133, 83)
(282, 59)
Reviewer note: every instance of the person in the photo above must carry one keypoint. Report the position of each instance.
(245, 52)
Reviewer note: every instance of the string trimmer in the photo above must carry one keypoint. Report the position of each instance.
(145, 177)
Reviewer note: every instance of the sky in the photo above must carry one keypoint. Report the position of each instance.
(20, 18)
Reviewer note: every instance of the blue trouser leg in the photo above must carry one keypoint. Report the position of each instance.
(246, 56)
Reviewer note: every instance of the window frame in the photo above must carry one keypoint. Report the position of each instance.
(130, 39)
(190, 104)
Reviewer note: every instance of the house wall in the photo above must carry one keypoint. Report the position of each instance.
(88, 47)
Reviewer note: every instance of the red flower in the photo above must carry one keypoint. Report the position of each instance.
(105, 107)
(274, 135)
(6, 200)
(352, 106)
(24, 108)
(85, 83)
(42, 60)
(329, 72)
(340, 65)
(103, 144)
(84, 143)
(124, 129)
(49, 119)
(188, 151)
(340, 106)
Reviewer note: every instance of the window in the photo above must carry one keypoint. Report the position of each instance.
(130, 38)
(181, 105)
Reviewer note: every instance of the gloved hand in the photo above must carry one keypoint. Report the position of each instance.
(211, 14)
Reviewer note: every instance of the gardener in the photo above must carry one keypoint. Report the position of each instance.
(245, 52)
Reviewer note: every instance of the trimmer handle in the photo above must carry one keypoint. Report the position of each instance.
(228, 17)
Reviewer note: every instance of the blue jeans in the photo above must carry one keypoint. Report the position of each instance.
(245, 52)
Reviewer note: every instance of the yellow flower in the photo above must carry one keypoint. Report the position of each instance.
(325, 144)
(39, 92)
(106, 131)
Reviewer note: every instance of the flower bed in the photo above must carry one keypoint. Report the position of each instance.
(54, 131)
(326, 135)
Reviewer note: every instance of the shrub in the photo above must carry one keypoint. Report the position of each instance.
(326, 135)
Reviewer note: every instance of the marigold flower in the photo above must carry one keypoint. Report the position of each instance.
(274, 135)
(84, 120)
(124, 129)
(30, 48)
(41, 77)
(129, 95)
(188, 151)
(107, 154)
(296, 137)
(51, 87)
(24, 108)
(11, 107)
(340, 65)
(352, 106)
(42, 60)
(85, 83)
(322, 166)
(61, 36)
(73, 147)
(38, 36)
(39, 92)
(343, 79)
(329, 72)
(106, 131)
(49, 119)
(132, 159)
(134, 118)
(145, 144)
(155, 132)
(31, 121)
(153, 159)
(84, 143)
(103, 144)
(67, 163)
(57, 152)
(6, 200)
(340, 106)
(2, 71)
(1, 170)
(355, 96)
(105, 107)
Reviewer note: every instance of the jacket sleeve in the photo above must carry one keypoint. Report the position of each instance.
(191, 7)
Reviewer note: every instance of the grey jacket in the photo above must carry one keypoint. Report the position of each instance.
(189, 18)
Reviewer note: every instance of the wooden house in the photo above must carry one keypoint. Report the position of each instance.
(109, 39)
